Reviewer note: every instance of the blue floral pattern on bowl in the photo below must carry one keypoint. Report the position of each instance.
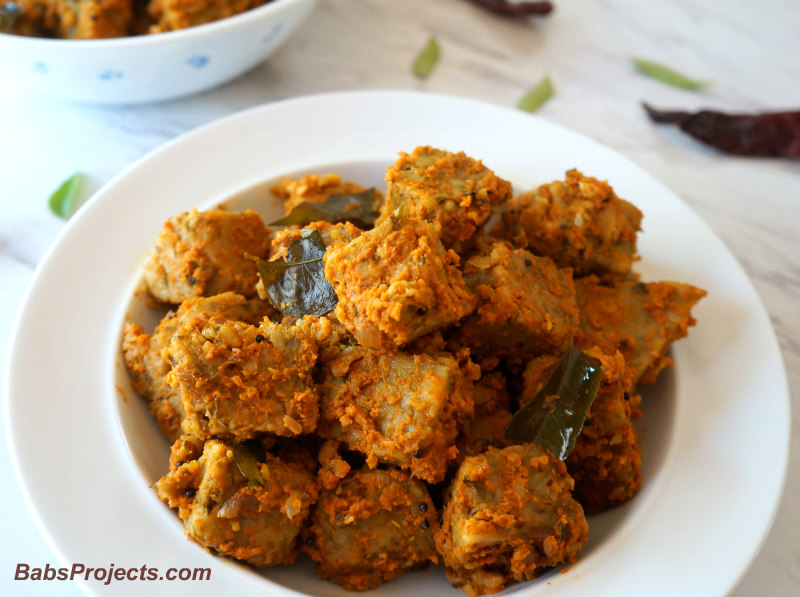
(109, 75)
(269, 37)
(198, 61)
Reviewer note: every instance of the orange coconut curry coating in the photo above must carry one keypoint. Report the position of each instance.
(100, 19)
(453, 191)
(373, 526)
(397, 282)
(378, 426)
(578, 222)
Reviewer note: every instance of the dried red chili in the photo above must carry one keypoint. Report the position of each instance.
(515, 9)
(761, 134)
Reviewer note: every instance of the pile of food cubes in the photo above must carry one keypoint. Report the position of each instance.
(341, 385)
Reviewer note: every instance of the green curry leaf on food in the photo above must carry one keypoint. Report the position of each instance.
(296, 285)
(247, 456)
(554, 418)
(357, 208)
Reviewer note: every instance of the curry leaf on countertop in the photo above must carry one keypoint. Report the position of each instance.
(426, 59)
(536, 96)
(768, 134)
(296, 285)
(667, 75)
(357, 208)
(62, 201)
(554, 418)
(247, 456)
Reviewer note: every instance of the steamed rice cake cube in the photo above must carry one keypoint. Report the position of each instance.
(641, 320)
(526, 305)
(452, 190)
(147, 355)
(606, 461)
(578, 222)
(230, 516)
(237, 380)
(170, 15)
(28, 18)
(508, 515)
(492, 416)
(399, 409)
(372, 527)
(202, 253)
(90, 19)
(395, 283)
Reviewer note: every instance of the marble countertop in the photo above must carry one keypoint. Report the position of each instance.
(749, 49)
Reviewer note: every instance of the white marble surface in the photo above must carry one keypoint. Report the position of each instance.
(749, 49)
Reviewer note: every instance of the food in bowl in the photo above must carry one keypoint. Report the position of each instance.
(122, 70)
(99, 19)
(385, 380)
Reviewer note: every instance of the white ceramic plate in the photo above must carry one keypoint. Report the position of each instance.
(715, 431)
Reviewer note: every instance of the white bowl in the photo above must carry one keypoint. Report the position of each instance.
(715, 431)
(149, 68)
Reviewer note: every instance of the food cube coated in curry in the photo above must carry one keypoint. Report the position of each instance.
(372, 527)
(452, 190)
(492, 415)
(578, 222)
(253, 520)
(395, 283)
(639, 319)
(606, 461)
(89, 19)
(24, 17)
(400, 409)
(526, 305)
(202, 253)
(237, 380)
(169, 15)
(508, 515)
(147, 355)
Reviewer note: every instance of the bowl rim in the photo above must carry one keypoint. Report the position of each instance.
(254, 14)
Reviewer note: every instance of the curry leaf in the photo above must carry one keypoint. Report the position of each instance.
(247, 455)
(426, 59)
(62, 202)
(296, 285)
(357, 208)
(554, 418)
(536, 96)
(667, 75)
